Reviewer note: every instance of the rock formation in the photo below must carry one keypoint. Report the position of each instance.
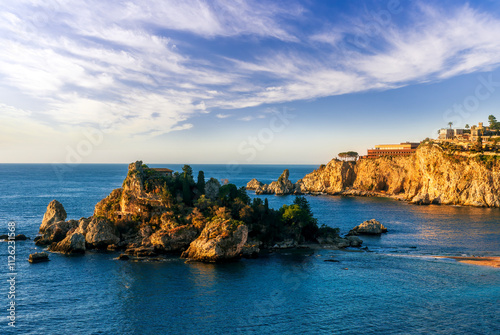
(175, 239)
(431, 175)
(220, 240)
(55, 212)
(254, 184)
(370, 227)
(101, 233)
(38, 257)
(280, 187)
(72, 244)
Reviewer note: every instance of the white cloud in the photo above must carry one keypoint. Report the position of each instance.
(247, 118)
(92, 60)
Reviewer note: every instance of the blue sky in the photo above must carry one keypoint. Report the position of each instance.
(240, 82)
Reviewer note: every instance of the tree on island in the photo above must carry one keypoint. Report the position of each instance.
(348, 156)
(467, 126)
(201, 182)
(494, 124)
(187, 181)
(450, 124)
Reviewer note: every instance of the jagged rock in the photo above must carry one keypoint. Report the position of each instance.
(341, 243)
(38, 257)
(254, 184)
(333, 178)
(141, 251)
(220, 240)
(101, 233)
(282, 186)
(287, 244)
(123, 257)
(421, 199)
(83, 223)
(174, 240)
(55, 212)
(370, 227)
(56, 232)
(74, 243)
(354, 241)
(19, 237)
(251, 249)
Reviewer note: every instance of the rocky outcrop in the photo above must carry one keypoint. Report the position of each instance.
(55, 212)
(101, 233)
(280, 187)
(370, 227)
(254, 184)
(38, 257)
(430, 176)
(174, 240)
(333, 178)
(220, 240)
(56, 232)
(73, 243)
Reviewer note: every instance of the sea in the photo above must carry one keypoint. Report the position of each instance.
(396, 286)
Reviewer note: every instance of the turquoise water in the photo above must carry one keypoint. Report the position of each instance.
(398, 288)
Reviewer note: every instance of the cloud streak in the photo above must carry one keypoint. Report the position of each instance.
(139, 65)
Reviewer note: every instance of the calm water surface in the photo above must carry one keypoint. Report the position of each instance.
(398, 288)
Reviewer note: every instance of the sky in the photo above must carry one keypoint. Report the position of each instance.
(239, 82)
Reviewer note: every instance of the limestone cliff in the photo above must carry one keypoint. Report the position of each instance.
(431, 175)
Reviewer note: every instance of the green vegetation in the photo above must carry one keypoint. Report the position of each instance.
(176, 200)
(494, 124)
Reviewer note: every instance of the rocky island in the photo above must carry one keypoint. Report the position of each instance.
(157, 212)
(431, 175)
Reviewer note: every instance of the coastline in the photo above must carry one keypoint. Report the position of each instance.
(481, 261)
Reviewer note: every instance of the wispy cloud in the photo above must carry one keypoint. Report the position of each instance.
(247, 118)
(82, 62)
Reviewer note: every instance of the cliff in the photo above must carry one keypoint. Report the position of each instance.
(431, 175)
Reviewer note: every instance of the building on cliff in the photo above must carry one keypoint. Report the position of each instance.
(448, 133)
(402, 149)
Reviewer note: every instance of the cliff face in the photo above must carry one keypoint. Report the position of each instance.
(333, 178)
(429, 176)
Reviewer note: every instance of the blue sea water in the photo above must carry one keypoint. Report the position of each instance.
(398, 288)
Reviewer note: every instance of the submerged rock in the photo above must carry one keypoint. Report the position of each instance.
(38, 257)
(220, 240)
(370, 227)
(123, 257)
(354, 241)
(55, 212)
